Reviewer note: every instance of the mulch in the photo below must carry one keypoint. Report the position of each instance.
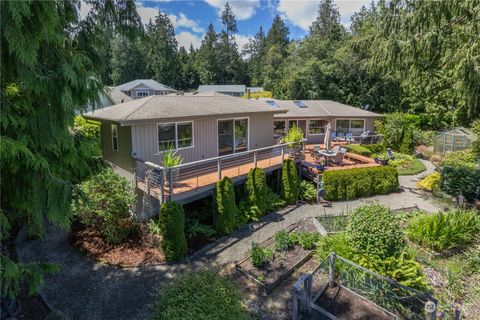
(143, 249)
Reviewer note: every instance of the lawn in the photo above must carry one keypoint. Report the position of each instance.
(409, 167)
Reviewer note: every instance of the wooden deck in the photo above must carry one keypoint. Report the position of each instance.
(198, 181)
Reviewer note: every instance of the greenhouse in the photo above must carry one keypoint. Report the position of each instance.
(453, 140)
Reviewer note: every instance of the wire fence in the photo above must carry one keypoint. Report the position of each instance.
(385, 295)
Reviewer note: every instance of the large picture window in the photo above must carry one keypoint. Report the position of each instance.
(232, 136)
(354, 126)
(316, 126)
(279, 127)
(114, 137)
(176, 135)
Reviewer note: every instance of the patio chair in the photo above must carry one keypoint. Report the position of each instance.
(349, 137)
(340, 136)
(339, 157)
(316, 153)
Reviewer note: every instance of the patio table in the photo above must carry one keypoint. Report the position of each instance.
(327, 155)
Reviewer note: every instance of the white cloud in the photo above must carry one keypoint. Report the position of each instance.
(84, 9)
(242, 9)
(146, 13)
(186, 38)
(241, 41)
(183, 21)
(303, 13)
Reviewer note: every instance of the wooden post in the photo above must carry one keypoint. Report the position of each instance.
(170, 184)
(283, 154)
(255, 159)
(278, 179)
(219, 168)
(331, 270)
(430, 310)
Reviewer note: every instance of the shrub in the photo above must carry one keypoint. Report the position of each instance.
(256, 95)
(172, 225)
(308, 240)
(200, 295)
(104, 203)
(359, 182)
(444, 230)
(361, 150)
(403, 269)
(373, 230)
(375, 148)
(294, 135)
(260, 256)
(430, 182)
(289, 188)
(460, 173)
(307, 191)
(283, 241)
(256, 186)
(401, 131)
(476, 143)
(274, 201)
(194, 229)
(338, 243)
(225, 207)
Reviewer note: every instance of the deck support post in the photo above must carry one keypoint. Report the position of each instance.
(255, 159)
(283, 154)
(147, 181)
(170, 184)
(331, 270)
(219, 169)
(279, 176)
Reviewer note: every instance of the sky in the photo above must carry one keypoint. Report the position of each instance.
(192, 17)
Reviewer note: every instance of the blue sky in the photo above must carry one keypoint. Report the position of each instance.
(192, 17)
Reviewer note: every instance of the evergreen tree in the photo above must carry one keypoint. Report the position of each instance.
(231, 70)
(327, 25)
(278, 35)
(207, 63)
(255, 51)
(276, 52)
(48, 72)
(162, 55)
(129, 59)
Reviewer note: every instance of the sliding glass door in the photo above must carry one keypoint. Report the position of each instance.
(232, 136)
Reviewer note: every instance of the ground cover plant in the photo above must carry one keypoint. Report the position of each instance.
(203, 295)
(104, 203)
(359, 182)
(307, 191)
(430, 182)
(333, 223)
(444, 230)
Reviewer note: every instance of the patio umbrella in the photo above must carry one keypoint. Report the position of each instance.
(328, 133)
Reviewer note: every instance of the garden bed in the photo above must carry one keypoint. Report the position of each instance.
(332, 224)
(282, 265)
(345, 304)
(143, 249)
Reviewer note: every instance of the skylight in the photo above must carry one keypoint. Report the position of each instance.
(272, 103)
(300, 104)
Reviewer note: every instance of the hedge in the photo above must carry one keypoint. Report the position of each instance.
(358, 149)
(257, 190)
(172, 226)
(289, 182)
(359, 182)
(460, 174)
(224, 206)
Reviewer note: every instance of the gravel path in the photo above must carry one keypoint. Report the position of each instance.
(86, 289)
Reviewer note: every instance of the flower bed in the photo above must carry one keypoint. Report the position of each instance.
(282, 264)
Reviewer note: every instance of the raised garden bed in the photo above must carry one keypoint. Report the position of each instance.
(331, 224)
(342, 303)
(282, 265)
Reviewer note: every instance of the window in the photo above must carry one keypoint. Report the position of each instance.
(279, 127)
(142, 94)
(299, 104)
(292, 123)
(316, 126)
(232, 136)
(175, 135)
(272, 103)
(354, 126)
(114, 137)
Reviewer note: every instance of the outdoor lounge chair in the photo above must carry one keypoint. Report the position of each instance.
(316, 153)
(339, 157)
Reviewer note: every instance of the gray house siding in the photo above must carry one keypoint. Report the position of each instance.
(205, 138)
(123, 156)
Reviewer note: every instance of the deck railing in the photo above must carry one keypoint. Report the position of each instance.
(165, 182)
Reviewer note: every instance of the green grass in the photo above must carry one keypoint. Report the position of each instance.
(406, 165)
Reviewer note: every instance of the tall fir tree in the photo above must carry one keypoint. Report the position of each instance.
(162, 54)
(207, 58)
(129, 61)
(48, 72)
(327, 25)
(276, 52)
(255, 51)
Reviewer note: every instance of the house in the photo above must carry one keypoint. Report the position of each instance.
(235, 90)
(312, 116)
(142, 88)
(254, 89)
(108, 97)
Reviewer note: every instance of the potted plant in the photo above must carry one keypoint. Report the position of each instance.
(171, 159)
(383, 159)
(294, 136)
